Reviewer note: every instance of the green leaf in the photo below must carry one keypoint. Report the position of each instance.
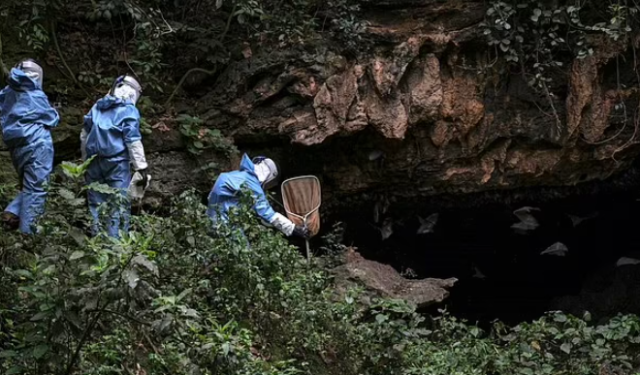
(8, 354)
(132, 278)
(15, 370)
(198, 144)
(40, 350)
(475, 332)
(66, 194)
(23, 273)
(566, 347)
(536, 15)
(77, 236)
(184, 293)
(162, 308)
(191, 241)
(146, 263)
(349, 300)
(560, 318)
(76, 255)
(39, 316)
(70, 169)
(226, 348)
(102, 188)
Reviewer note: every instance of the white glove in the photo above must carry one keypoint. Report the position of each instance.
(283, 224)
(138, 185)
(137, 157)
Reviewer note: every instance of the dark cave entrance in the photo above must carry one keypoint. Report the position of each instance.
(519, 283)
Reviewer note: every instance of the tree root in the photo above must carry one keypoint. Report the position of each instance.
(184, 78)
(64, 62)
(3, 69)
(208, 72)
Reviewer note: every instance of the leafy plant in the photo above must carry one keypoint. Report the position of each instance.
(183, 296)
(348, 27)
(533, 35)
(201, 138)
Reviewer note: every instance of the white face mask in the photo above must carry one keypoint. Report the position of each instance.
(266, 172)
(126, 92)
(34, 76)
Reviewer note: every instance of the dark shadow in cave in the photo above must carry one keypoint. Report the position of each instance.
(520, 284)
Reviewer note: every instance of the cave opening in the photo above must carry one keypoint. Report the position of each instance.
(501, 273)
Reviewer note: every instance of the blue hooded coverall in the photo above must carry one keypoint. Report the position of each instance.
(224, 194)
(27, 118)
(111, 125)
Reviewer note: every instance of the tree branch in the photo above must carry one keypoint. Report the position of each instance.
(184, 78)
(84, 338)
(129, 317)
(64, 62)
(209, 72)
(3, 69)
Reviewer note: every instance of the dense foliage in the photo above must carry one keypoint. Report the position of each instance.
(174, 297)
(539, 40)
(148, 36)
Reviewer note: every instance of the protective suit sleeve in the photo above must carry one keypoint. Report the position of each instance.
(137, 156)
(283, 224)
(49, 117)
(262, 206)
(131, 130)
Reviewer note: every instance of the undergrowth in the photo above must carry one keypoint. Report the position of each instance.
(176, 296)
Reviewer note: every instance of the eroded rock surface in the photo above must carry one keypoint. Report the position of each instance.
(384, 281)
(424, 97)
(424, 93)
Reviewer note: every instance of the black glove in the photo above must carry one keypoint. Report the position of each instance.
(302, 231)
(145, 178)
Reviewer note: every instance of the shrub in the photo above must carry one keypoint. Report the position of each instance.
(179, 296)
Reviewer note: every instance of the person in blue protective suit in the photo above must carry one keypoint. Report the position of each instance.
(111, 133)
(257, 175)
(27, 118)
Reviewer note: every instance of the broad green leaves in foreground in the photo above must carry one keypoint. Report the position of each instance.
(178, 297)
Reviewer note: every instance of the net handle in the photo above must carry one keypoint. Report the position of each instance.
(303, 217)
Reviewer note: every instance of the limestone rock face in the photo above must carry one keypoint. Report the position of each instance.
(424, 98)
(383, 281)
(422, 92)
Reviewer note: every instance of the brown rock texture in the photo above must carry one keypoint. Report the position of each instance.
(383, 281)
(425, 97)
(424, 94)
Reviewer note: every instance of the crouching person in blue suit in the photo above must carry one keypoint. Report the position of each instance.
(257, 175)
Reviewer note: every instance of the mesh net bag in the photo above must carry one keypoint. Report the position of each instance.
(302, 197)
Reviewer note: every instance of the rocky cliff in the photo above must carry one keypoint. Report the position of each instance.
(423, 110)
(422, 113)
